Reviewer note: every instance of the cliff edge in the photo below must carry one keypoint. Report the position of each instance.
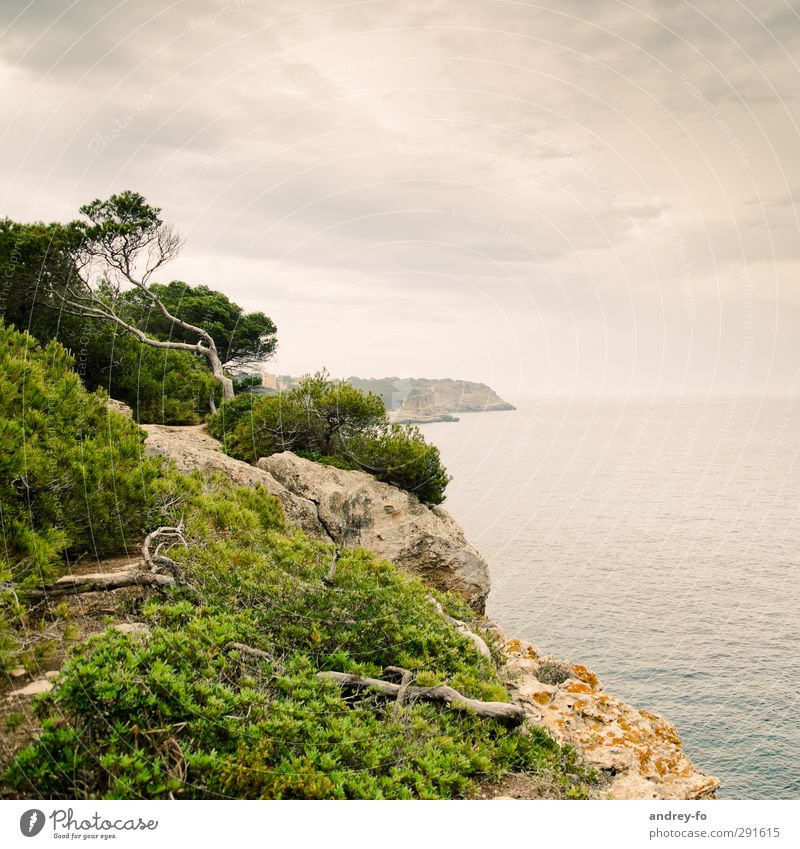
(638, 754)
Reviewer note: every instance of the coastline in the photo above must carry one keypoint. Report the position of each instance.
(638, 753)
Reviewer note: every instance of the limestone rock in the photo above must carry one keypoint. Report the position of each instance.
(190, 447)
(41, 685)
(357, 510)
(640, 753)
(120, 407)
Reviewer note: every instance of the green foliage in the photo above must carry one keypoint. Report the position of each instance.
(319, 415)
(333, 423)
(181, 713)
(239, 336)
(72, 477)
(38, 261)
(553, 672)
(167, 387)
(401, 456)
(229, 415)
(247, 383)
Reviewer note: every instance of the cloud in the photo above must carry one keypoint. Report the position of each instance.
(559, 176)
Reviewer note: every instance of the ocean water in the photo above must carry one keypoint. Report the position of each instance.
(659, 544)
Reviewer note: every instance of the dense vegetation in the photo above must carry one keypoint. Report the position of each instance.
(181, 712)
(333, 422)
(39, 263)
(72, 479)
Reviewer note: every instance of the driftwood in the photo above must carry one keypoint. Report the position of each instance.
(462, 627)
(76, 584)
(108, 581)
(442, 693)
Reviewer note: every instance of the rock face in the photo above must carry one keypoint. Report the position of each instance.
(190, 447)
(119, 407)
(357, 510)
(349, 508)
(640, 753)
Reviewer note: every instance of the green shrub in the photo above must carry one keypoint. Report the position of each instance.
(161, 386)
(224, 422)
(401, 456)
(336, 424)
(319, 415)
(181, 713)
(72, 475)
(553, 673)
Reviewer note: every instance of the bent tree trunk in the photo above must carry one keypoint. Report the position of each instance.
(210, 353)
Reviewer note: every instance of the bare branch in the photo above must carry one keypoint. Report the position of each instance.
(463, 628)
(76, 584)
(503, 711)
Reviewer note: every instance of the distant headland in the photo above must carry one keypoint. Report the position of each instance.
(413, 400)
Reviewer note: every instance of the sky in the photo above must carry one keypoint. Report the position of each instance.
(582, 197)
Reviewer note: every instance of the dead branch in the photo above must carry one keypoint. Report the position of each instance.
(502, 711)
(156, 559)
(406, 677)
(250, 651)
(462, 628)
(100, 582)
(329, 578)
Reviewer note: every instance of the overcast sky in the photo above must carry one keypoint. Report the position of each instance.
(566, 197)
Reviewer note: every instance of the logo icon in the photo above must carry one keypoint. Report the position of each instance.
(31, 822)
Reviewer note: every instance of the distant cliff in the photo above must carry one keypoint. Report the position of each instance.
(421, 399)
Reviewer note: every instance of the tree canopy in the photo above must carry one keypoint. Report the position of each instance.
(240, 337)
(89, 284)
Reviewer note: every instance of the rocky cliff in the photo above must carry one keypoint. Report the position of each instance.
(357, 510)
(348, 508)
(638, 754)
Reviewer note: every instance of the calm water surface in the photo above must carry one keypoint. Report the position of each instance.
(657, 543)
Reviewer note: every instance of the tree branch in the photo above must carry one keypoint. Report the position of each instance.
(462, 628)
(502, 711)
(76, 584)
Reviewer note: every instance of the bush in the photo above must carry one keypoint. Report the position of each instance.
(400, 455)
(181, 713)
(553, 673)
(72, 476)
(336, 424)
(224, 422)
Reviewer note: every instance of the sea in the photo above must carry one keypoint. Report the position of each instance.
(658, 543)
